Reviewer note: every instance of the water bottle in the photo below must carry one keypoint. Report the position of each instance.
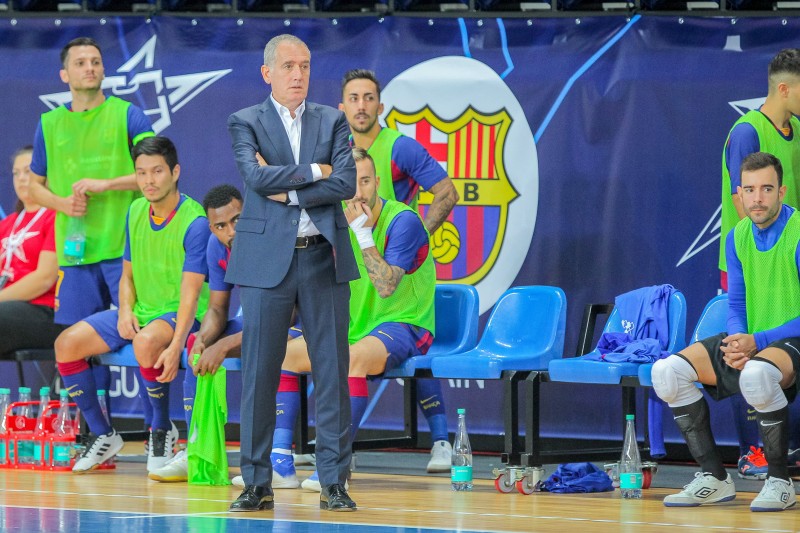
(461, 464)
(75, 242)
(64, 431)
(5, 399)
(41, 428)
(25, 446)
(630, 464)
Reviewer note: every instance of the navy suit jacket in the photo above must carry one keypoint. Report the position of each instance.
(267, 230)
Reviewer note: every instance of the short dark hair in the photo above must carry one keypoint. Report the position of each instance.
(220, 196)
(759, 160)
(361, 74)
(80, 41)
(156, 146)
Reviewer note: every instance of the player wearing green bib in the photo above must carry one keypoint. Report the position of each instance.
(163, 294)
(403, 165)
(773, 129)
(759, 355)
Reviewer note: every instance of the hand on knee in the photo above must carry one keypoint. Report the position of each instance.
(760, 385)
(673, 381)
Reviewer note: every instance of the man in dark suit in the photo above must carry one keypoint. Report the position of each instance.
(292, 248)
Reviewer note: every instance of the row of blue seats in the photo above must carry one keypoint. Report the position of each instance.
(378, 5)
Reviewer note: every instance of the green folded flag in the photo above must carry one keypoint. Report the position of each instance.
(208, 460)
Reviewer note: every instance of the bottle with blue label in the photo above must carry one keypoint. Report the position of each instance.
(5, 399)
(75, 241)
(630, 464)
(461, 464)
(64, 432)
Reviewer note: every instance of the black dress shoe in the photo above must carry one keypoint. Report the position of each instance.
(253, 498)
(335, 498)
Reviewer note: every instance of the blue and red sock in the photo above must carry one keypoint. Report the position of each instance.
(158, 397)
(431, 402)
(79, 381)
(359, 398)
(287, 404)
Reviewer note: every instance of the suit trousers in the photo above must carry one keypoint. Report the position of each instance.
(323, 306)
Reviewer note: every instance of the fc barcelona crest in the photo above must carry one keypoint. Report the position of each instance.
(468, 119)
(469, 242)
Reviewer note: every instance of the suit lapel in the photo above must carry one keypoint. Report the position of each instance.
(276, 134)
(309, 134)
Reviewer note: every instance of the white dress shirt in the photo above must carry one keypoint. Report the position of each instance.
(293, 127)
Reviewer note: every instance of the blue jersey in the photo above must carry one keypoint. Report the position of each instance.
(217, 256)
(194, 242)
(412, 167)
(737, 309)
(138, 123)
(407, 242)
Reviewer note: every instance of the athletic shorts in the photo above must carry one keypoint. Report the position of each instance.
(728, 377)
(84, 290)
(296, 330)
(105, 324)
(402, 341)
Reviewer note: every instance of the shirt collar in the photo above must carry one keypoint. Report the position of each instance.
(284, 112)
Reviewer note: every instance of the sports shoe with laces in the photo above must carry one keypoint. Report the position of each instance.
(176, 469)
(162, 445)
(100, 449)
(312, 483)
(753, 465)
(703, 490)
(776, 495)
(441, 457)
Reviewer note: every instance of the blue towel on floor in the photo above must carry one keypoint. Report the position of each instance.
(574, 478)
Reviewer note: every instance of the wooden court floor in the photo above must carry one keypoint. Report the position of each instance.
(125, 500)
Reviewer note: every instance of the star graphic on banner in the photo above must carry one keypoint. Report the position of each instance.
(711, 231)
(157, 94)
(19, 253)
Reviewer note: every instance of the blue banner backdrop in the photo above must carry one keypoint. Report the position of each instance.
(587, 151)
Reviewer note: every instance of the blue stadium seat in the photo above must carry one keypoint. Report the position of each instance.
(712, 320)
(580, 370)
(525, 332)
(456, 328)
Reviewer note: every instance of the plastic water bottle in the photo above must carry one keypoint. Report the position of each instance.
(25, 446)
(75, 242)
(101, 399)
(5, 399)
(461, 464)
(64, 431)
(41, 428)
(630, 464)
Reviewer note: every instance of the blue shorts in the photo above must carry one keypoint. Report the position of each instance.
(105, 324)
(402, 341)
(233, 326)
(84, 290)
(296, 330)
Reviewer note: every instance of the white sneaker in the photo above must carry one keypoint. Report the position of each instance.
(441, 457)
(284, 475)
(100, 450)
(312, 483)
(176, 469)
(777, 495)
(278, 481)
(704, 489)
(238, 481)
(305, 459)
(162, 446)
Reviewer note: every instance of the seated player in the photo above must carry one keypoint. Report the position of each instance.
(760, 353)
(162, 293)
(391, 310)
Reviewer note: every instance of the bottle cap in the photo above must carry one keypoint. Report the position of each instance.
(24, 390)
(101, 392)
(462, 411)
(63, 393)
(629, 417)
(5, 391)
(44, 391)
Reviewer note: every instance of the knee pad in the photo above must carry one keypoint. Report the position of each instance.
(673, 381)
(760, 383)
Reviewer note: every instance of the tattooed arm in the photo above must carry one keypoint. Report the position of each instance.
(384, 277)
(445, 197)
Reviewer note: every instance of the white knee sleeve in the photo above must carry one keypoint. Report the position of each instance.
(760, 383)
(673, 380)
